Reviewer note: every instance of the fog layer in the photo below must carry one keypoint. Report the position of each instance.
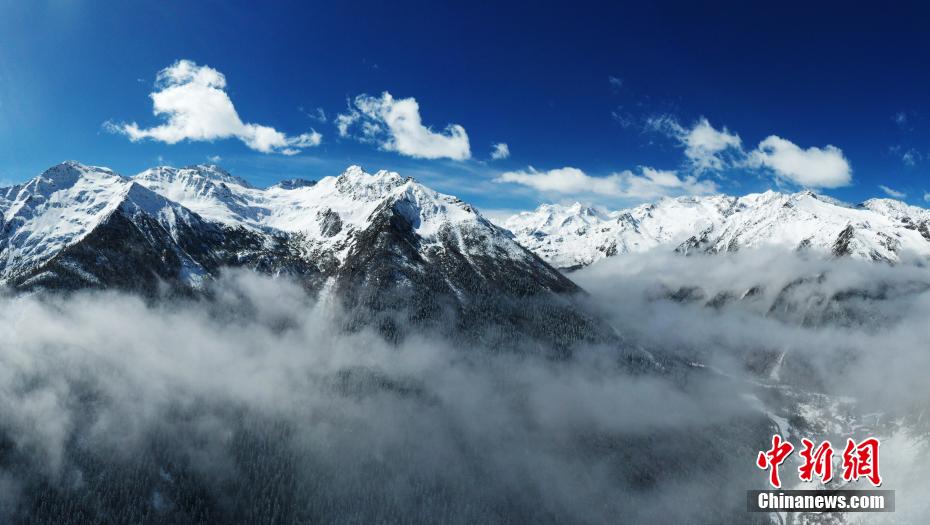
(837, 348)
(256, 406)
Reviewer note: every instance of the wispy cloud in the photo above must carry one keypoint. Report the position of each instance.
(616, 83)
(500, 151)
(193, 102)
(317, 114)
(623, 117)
(901, 120)
(892, 192)
(910, 156)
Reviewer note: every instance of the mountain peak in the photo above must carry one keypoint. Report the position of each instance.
(355, 173)
(196, 173)
(356, 182)
(70, 171)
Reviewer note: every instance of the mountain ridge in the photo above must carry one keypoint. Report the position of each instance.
(383, 245)
(571, 237)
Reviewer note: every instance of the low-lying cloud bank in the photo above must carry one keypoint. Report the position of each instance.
(257, 406)
(254, 406)
(861, 325)
(838, 347)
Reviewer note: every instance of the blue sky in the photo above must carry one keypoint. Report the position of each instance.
(608, 103)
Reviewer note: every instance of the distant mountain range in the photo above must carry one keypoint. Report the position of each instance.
(382, 244)
(570, 237)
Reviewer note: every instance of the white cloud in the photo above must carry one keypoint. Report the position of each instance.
(562, 180)
(649, 183)
(214, 158)
(193, 101)
(396, 125)
(812, 167)
(892, 192)
(704, 145)
(926, 197)
(500, 151)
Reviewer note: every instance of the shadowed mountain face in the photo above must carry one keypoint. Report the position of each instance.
(77, 227)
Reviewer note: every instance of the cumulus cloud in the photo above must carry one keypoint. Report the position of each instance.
(396, 125)
(812, 167)
(500, 151)
(193, 102)
(648, 183)
(892, 192)
(705, 146)
(710, 149)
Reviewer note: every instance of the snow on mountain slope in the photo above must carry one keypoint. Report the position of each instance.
(575, 236)
(57, 209)
(77, 224)
(327, 213)
(210, 192)
(387, 249)
(382, 244)
(805, 221)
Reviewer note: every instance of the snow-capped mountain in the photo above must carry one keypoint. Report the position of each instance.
(72, 224)
(328, 214)
(377, 242)
(331, 215)
(570, 237)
